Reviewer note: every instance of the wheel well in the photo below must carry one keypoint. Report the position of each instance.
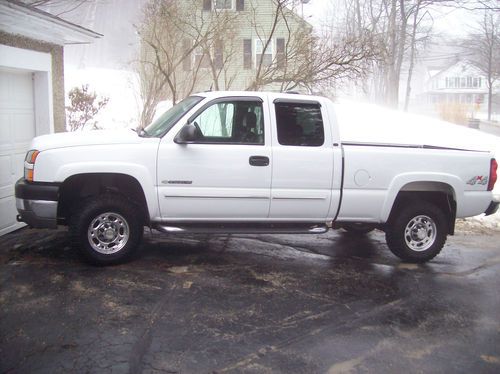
(82, 186)
(440, 194)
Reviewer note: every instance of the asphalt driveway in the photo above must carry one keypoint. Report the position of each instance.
(245, 303)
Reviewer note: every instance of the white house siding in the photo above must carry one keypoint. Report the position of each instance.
(262, 12)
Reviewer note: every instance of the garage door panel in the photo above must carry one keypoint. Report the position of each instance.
(5, 170)
(16, 91)
(17, 163)
(17, 129)
(7, 205)
(8, 222)
(5, 87)
(23, 127)
(6, 138)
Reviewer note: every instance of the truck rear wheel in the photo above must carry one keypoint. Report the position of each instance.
(106, 229)
(417, 232)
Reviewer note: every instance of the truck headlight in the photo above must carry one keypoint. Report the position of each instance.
(29, 164)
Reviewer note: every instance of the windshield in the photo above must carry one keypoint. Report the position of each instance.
(168, 119)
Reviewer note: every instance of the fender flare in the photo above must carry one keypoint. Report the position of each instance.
(136, 171)
(401, 180)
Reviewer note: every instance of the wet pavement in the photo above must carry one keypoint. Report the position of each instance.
(330, 303)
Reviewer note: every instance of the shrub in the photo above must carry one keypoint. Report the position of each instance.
(84, 106)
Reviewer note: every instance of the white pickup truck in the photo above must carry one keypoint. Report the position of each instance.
(248, 162)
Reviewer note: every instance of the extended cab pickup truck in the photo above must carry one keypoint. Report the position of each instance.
(248, 162)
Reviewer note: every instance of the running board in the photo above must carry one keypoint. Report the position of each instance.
(241, 228)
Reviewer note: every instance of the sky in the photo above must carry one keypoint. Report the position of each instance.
(447, 20)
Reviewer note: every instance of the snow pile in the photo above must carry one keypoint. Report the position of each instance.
(370, 123)
(120, 86)
(481, 224)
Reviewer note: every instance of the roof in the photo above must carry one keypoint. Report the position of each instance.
(21, 19)
(457, 68)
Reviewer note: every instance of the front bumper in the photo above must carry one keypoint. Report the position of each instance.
(37, 203)
(492, 208)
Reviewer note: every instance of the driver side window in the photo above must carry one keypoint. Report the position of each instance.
(231, 122)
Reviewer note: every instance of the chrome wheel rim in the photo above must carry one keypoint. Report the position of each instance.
(420, 233)
(108, 233)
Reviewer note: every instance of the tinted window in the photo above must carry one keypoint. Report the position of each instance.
(233, 122)
(299, 124)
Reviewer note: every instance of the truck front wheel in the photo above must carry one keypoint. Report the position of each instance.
(106, 229)
(417, 232)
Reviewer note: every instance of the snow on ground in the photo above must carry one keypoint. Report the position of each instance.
(122, 88)
(371, 123)
(362, 122)
(479, 224)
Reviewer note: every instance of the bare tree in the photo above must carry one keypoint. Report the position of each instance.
(305, 59)
(483, 46)
(386, 21)
(187, 49)
(419, 35)
(172, 33)
(398, 28)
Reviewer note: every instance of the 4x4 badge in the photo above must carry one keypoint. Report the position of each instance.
(478, 180)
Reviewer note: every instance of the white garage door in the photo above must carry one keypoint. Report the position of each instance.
(17, 128)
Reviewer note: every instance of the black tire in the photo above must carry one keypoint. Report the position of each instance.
(358, 228)
(116, 233)
(417, 231)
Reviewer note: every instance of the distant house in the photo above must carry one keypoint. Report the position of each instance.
(459, 83)
(31, 88)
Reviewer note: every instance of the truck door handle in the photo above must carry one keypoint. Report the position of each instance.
(259, 160)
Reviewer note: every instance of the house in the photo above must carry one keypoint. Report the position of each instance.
(31, 88)
(259, 40)
(197, 45)
(460, 84)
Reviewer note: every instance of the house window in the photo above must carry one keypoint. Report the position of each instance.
(452, 82)
(223, 4)
(201, 58)
(247, 54)
(266, 56)
(186, 62)
(240, 5)
(280, 53)
(463, 82)
(209, 5)
(218, 54)
(469, 82)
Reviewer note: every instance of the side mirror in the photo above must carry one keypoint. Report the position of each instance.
(187, 135)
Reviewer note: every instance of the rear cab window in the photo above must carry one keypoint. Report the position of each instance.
(299, 123)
